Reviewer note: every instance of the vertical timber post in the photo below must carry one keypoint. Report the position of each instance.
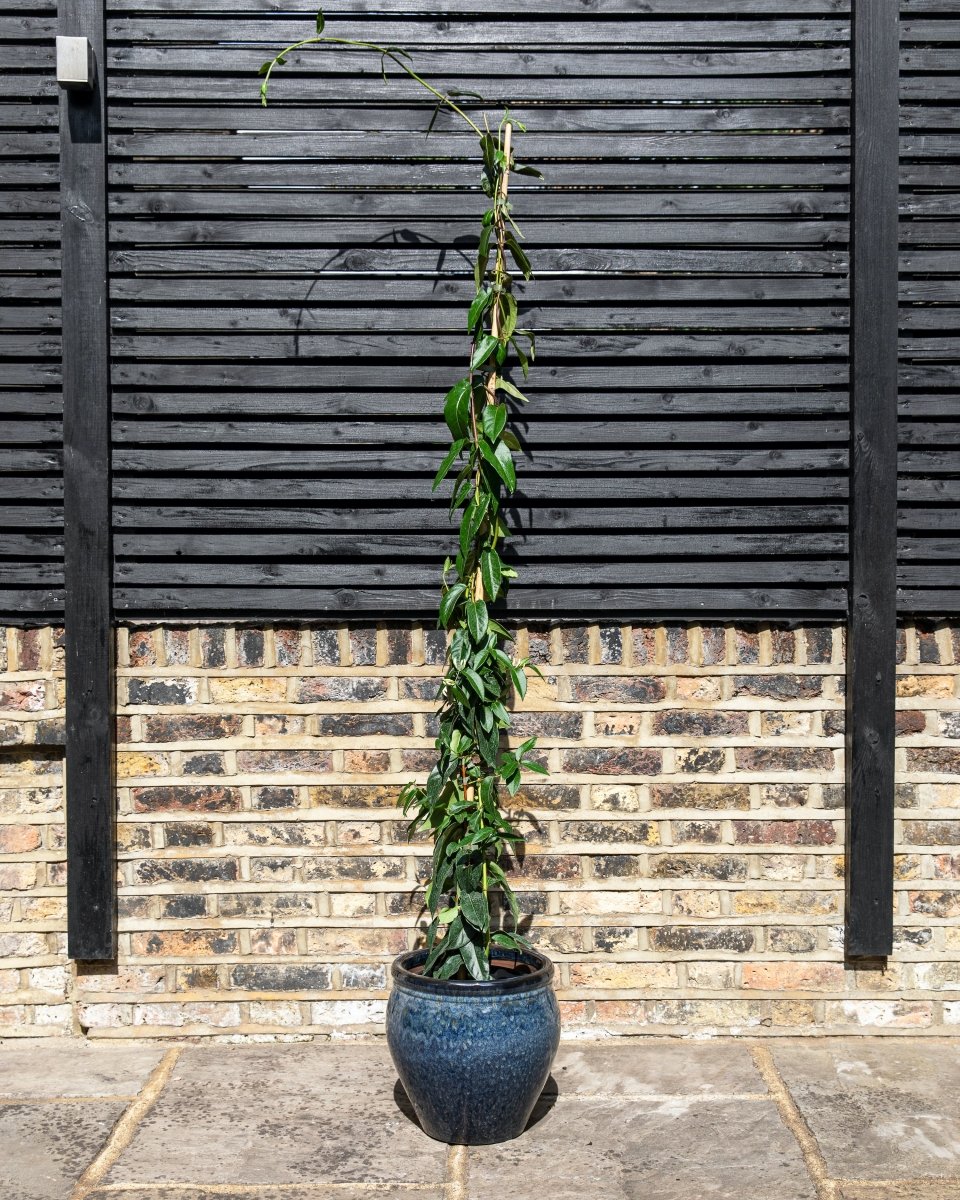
(91, 837)
(872, 622)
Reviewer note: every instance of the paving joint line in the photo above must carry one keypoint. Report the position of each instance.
(122, 1133)
(458, 1166)
(826, 1187)
(8, 1100)
(256, 1189)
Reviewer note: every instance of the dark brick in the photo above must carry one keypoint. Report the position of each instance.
(161, 691)
(365, 725)
(213, 646)
(353, 867)
(190, 728)
(783, 644)
(124, 729)
(910, 721)
(950, 724)
(901, 645)
(50, 733)
(834, 722)
(618, 689)
(196, 798)
(905, 795)
(203, 764)
(616, 866)
(341, 688)
(194, 833)
(604, 760)
(326, 647)
(250, 645)
(576, 645)
(353, 795)
(301, 977)
(546, 796)
(819, 644)
(704, 832)
(538, 646)
(681, 938)
(434, 647)
(182, 942)
(176, 646)
(611, 938)
(289, 647)
(779, 687)
(546, 724)
(402, 904)
(28, 649)
(747, 645)
(141, 648)
(185, 870)
(135, 908)
(609, 832)
(934, 758)
(275, 797)
(644, 644)
(399, 646)
(694, 723)
(200, 978)
(678, 644)
(697, 866)
(418, 760)
(700, 795)
(363, 647)
(183, 907)
(784, 833)
(783, 758)
(611, 644)
(423, 688)
(294, 761)
(713, 639)
(707, 761)
(549, 866)
(264, 904)
(927, 643)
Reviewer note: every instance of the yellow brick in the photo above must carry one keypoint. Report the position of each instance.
(257, 689)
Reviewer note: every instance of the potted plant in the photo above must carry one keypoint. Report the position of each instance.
(472, 1021)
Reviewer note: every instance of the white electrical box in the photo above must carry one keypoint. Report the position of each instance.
(75, 64)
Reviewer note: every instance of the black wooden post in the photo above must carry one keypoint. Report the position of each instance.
(91, 839)
(871, 634)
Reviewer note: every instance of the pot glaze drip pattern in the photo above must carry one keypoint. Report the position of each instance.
(473, 1058)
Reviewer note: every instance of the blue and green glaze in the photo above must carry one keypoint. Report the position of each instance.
(473, 1057)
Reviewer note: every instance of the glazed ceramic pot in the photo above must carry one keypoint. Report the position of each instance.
(474, 1057)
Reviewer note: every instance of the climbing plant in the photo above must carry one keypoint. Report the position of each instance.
(461, 803)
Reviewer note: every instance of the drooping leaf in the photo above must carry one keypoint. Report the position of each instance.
(493, 420)
(449, 603)
(320, 21)
(478, 308)
(475, 682)
(450, 966)
(486, 345)
(477, 619)
(448, 462)
(504, 385)
(500, 458)
(475, 962)
(475, 910)
(491, 571)
(456, 409)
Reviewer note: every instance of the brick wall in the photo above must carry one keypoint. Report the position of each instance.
(683, 861)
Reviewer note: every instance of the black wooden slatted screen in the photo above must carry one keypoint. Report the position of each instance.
(289, 286)
(31, 512)
(929, 459)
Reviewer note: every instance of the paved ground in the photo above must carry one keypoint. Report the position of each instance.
(838, 1119)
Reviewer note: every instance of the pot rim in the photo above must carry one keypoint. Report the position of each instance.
(540, 977)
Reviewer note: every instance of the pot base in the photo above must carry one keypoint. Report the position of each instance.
(473, 1058)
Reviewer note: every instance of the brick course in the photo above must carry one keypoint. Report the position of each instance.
(683, 861)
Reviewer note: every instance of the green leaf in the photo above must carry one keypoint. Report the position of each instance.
(450, 966)
(450, 602)
(476, 964)
(264, 68)
(500, 458)
(456, 409)
(448, 462)
(519, 680)
(475, 909)
(447, 915)
(509, 321)
(478, 308)
(485, 347)
(519, 256)
(477, 619)
(524, 169)
(491, 571)
(504, 385)
(320, 21)
(472, 521)
(475, 682)
(537, 768)
(493, 420)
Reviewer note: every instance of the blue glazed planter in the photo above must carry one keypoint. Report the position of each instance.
(473, 1057)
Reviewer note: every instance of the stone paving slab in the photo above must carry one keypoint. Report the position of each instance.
(294, 1192)
(38, 1068)
(302, 1113)
(654, 1068)
(47, 1147)
(880, 1108)
(675, 1150)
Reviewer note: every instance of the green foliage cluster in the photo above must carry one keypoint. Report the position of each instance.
(460, 805)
